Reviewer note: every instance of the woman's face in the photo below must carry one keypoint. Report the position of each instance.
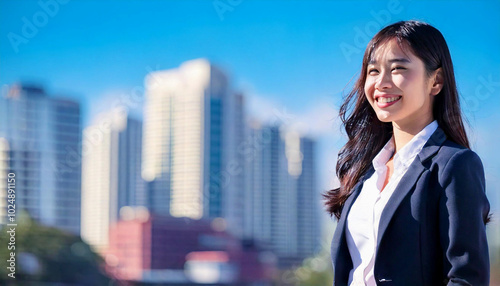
(399, 76)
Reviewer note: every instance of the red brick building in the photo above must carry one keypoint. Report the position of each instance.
(181, 250)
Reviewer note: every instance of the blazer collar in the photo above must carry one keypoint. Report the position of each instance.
(405, 185)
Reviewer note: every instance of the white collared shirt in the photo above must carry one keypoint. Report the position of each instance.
(364, 216)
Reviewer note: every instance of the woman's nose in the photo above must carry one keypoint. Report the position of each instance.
(383, 81)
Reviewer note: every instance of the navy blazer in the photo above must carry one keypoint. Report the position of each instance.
(432, 230)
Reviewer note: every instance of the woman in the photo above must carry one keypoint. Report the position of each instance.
(411, 205)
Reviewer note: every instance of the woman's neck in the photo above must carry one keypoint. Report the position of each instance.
(403, 134)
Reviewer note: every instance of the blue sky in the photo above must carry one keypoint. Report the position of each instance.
(288, 50)
(286, 54)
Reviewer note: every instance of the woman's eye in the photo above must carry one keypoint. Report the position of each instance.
(398, 68)
(372, 71)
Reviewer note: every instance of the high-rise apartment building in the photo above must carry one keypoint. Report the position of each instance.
(193, 125)
(281, 211)
(41, 145)
(111, 176)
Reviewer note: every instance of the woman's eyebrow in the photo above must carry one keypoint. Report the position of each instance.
(396, 60)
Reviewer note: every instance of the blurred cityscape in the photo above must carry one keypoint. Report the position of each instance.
(195, 192)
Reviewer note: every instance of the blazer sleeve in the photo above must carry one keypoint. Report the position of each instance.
(463, 208)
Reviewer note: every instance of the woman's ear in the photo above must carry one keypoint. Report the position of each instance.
(437, 81)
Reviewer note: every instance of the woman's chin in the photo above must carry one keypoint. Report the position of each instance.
(384, 118)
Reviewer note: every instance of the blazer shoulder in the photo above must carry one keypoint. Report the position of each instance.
(451, 149)
(453, 157)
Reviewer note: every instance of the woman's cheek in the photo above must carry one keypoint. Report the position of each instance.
(402, 81)
(369, 83)
(369, 89)
(368, 96)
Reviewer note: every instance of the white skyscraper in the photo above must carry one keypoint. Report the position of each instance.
(193, 124)
(281, 200)
(111, 174)
(41, 145)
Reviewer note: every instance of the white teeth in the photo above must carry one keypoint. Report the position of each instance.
(386, 100)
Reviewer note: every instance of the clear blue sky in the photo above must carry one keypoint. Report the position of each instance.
(290, 51)
(287, 49)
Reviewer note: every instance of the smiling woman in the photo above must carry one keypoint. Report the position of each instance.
(392, 72)
(411, 204)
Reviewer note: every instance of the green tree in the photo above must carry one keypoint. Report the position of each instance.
(314, 271)
(47, 254)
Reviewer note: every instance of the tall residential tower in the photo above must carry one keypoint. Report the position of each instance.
(41, 145)
(111, 177)
(281, 207)
(193, 125)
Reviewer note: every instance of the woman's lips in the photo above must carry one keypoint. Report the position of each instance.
(387, 104)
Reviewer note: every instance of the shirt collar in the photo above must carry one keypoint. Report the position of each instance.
(405, 156)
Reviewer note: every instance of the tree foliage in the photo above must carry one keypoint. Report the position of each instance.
(47, 254)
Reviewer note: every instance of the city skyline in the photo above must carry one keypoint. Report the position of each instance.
(110, 147)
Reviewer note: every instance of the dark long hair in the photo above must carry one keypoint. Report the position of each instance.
(366, 134)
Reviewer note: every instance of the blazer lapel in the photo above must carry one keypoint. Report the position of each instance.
(409, 179)
(340, 229)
